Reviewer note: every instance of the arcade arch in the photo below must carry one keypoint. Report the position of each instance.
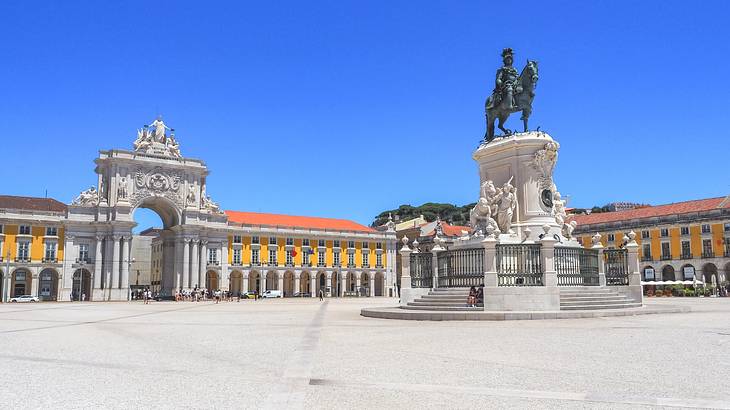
(288, 284)
(48, 285)
(668, 273)
(236, 282)
(709, 273)
(379, 284)
(20, 282)
(81, 288)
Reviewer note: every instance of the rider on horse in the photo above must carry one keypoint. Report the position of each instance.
(506, 84)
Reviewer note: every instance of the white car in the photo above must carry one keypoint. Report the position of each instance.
(25, 298)
(272, 294)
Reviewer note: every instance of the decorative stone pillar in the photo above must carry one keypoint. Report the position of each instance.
(598, 246)
(343, 283)
(490, 262)
(280, 283)
(115, 264)
(328, 282)
(224, 266)
(632, 250)
(126, 240)
(203, 263)
(195, 267)
(97, 262)
(372, 285)
(435, 261)
(244, 282)
(547, 254)
(186, 263)
(178, 266)
(34, 278)
(297, 281)
(405, 276)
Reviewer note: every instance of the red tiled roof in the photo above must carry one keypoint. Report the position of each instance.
(450, 230)
(698, 205)
(28, 203)
(291, 221)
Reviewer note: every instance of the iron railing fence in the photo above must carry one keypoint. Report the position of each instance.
(576, 266)
(617, 267)
(519, 265)
(460, 268)
(421, 270)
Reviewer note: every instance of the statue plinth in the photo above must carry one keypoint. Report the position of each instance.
(526, 162)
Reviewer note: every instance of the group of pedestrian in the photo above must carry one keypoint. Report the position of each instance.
(476, 296)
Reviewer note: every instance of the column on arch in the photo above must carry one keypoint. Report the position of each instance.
(126, 240)
(372, 284)
(186, 263)
(97, 261)
(313, 289)
(194, 267)
(115, 262)
(280, 277)
(203, 263)
(297, 282)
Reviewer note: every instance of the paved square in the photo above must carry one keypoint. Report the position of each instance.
(305, 354)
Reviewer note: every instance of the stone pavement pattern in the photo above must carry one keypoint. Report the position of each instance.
(306, 354)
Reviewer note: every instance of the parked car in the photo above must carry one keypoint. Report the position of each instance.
(302, 295)
(25, 298)
(272, 294)
(249, 295)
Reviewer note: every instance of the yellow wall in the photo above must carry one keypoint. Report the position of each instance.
(36, 246)
(675, 246)
(60, 243)
(329, 258)
(718, 239)
(10, 243)
(695, 233)
(656, 244)
(246, 250)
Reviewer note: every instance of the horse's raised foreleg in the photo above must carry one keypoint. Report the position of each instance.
(500, 124)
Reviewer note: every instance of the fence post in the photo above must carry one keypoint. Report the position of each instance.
(547, 254)
(597, 245)
(405, 276)
(490, 262)
(632, 249)
(435, 261)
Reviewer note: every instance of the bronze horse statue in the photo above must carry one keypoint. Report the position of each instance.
(524, 93)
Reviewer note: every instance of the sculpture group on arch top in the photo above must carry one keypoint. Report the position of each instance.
(495, 210)
(152, 140)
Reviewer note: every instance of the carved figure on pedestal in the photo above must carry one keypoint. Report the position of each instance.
(159, 127)
(173, 146)
(482, 215)
(544, 162)
(511, 93)
(568, 229)
(143, 141)
(559, 209)
(90, 197)
(506, 208)
(191, 195)
(207, 203)
(122, 188)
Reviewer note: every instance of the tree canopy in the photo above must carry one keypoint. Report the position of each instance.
(455, 215)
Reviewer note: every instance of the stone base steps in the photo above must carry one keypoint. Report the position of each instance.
(443, 300)
(594, 298)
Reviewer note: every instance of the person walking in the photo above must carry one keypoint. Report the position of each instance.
(321, 295)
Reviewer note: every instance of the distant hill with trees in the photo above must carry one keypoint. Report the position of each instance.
(455, 215)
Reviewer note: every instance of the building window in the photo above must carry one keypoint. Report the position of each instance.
(666, 254)
(684, 230)
(305, 242)
(351, 244)
(237, 239)
(644, 234)
(272, 257)
(686, 250)
(23, 250)
(255, 257)
(51, 231)
(664, 232)
(213, 256)
(24, 230)
(84, 252)
(350, 260)
(379, 260)
(1, 228)
(365, 245)
(379, 245)
(611, 237)
(707, 248)
(50, 254)
(320, 243)
(272, 240)
(256, 240)
(646, 252)
(290, 241)
(305, 257)
(237, 256)
(320, 258)
(337, 243)
(705, 228)
(727, 250)
(336, 258)
(365, 260)
(727, 228)
(289, 259)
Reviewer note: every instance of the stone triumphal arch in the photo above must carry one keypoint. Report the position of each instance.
(153, 175)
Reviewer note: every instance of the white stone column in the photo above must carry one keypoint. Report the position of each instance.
(115, 262)
(343, 283)
(126, 240)
(224, 266)
(405, 275)
(552, 292)
(262, 280)
(297, 281)
(372, 285)
(203, 263)
(178, 269)
(435, 262)
(598, 246)
(490, 263)
(186, 263)
(358, 282)
(244, 283)
(97, 262)
(34, 282)
(328, 283)
(280, 276)
(313, 285)
(632, 250)
(195, 267)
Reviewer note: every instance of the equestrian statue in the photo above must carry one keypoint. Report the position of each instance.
(511, 93)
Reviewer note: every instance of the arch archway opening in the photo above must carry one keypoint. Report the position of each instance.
(81, 288)
(20, 282)
(48, 285)
(668, 273)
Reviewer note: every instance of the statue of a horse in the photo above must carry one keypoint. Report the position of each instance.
(524, 94)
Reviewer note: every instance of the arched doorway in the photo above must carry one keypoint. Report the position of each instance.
(668, 273)
(254, 282)
(379, 284)
(648, 273)
(688, 272)
(81, 288)
(305, 283)
(288, 284)
(350, 284)
(211, 280)
(236, 283)
(272, 281)
(20, 282)
(48, 285)
(709, 271)
(321, 283)
(365, 285)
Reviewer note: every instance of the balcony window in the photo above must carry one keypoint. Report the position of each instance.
(336, 259)
(305, 242)
(305, 258)
(272, 257)
(365, 260)
(272, 240)
(686, 250)
(684, 230)
(646, 251)
(727, 248)
(706, 228)
(379, 260)
(237, 256)
(255, 257)
(290, 241)
(644, 234)
(726, 227)
(707, 248)
(666, 253)
(350, 260)
(50, 253)
(320, 258)
(255, 240)
(84, 252)
(1, 228)
(237, 239)
(611, 237)
(24, 230)
(664, 232)
(51, 231)
(23, 251)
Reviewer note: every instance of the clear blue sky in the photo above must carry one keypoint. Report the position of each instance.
(344, 109)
